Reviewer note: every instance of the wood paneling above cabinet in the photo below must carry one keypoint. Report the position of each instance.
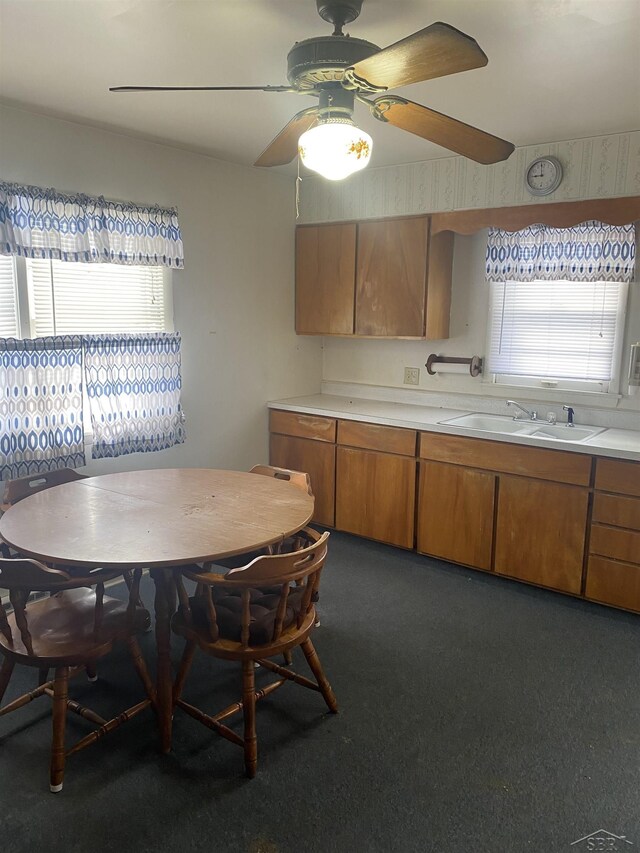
(381, 278)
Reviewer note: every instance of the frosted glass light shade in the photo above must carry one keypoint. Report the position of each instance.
(335, 149)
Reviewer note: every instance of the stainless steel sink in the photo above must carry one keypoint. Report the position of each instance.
(491, 423)
(534, 429)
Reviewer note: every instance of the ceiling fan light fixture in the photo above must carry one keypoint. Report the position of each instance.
(335, 149)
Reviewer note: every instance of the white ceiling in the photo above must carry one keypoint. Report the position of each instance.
(558, 69)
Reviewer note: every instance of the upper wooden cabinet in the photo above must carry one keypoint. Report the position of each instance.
(325, 270)
(391, 274)
(383, 278)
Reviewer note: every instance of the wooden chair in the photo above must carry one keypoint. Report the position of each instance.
(251, 614)
(20, 488)
(296, 478)
(69, 631)
(301, 480)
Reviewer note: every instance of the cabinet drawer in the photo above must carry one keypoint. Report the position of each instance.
(303, 426)
(616, 511)
(497, 456)
(616, 543)
(375, 437)
(613, 475)
(613, 583)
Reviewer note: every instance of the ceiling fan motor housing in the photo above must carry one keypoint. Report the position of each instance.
(323, 59)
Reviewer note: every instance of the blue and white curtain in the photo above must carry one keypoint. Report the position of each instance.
(41, 427)
(591, 251)
(133, 386)
(44, 223)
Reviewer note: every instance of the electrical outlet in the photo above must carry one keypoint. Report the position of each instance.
(412, 376)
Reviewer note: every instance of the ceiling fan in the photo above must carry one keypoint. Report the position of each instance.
(339, 70)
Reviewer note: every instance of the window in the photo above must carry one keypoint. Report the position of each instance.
(562, 334)
(50, 297)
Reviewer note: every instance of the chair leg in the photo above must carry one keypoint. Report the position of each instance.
(288, 657)
(183, 671)
(249, 712)
(60, 695)
(92, 673)
(141, 667)
(5, 676)
(316, 668)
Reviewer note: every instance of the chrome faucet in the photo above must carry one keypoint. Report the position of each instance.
(569, 412)
(532, 415)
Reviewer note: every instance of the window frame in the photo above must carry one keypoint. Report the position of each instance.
(594, 387)
(25, 304)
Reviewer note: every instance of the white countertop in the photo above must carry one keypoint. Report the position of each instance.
(616, 443)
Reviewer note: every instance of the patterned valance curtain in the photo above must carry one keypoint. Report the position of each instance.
(133, 385)
(43, 223)
(591, 251)
(41, 427)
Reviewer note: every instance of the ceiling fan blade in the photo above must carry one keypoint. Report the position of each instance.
(443, 130)
(201, 89)
(435, 51)
(284, 147)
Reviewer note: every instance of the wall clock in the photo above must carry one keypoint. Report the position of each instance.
(543, 176)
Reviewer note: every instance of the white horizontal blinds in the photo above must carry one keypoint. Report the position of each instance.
(96, 298)
(40, 285)
(8, 298)
(554, 329)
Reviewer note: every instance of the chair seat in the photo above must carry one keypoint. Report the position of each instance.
(263, 610)
(62, 627)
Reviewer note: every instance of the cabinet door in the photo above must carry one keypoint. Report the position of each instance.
(455, 513)
(325, 279)
(540, 532)
(318, 460)
(375, 495)
(391, 277)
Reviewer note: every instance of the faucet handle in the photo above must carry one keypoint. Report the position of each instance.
(570, 413)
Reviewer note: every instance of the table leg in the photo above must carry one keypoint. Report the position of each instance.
(164, 605)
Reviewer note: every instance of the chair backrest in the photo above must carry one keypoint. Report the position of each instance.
(23, 577)
(296, 478)
(277, 573)
(20, 488)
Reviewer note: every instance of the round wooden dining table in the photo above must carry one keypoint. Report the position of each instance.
(160, 520)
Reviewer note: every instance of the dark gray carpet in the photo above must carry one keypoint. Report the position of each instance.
(477, 714)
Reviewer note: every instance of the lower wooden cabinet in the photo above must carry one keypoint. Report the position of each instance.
(613, 582)
(375, 495)
(455, 513)
(318, 459)
(613, 571)
(540, 532)
(519, 511)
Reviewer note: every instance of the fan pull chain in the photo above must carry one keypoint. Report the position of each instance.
(298, 182)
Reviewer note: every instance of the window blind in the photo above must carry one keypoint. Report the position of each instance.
(555, 329)
(8, 298)
(77, 298)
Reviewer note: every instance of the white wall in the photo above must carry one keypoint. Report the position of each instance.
(599, 167)
(234, 301)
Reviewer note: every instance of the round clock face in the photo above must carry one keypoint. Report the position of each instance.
(544, 176)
